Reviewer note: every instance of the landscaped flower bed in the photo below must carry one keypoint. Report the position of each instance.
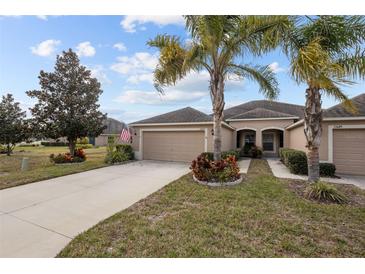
(67, 158)
(216, 173)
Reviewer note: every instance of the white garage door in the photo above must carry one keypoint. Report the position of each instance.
(181, 146)
(349, 151)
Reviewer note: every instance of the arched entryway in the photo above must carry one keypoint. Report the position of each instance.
(246, 136)
(272, 140)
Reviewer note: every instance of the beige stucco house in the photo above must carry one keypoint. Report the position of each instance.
(183, 134)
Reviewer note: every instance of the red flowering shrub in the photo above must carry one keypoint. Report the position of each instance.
(63, 158)
(225, 170)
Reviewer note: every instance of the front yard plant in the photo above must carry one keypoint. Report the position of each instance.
(324, 192)
(222, 171)
(118, 153)
(67, 158)
(296, 161)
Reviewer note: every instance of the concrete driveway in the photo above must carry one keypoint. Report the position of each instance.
(39, 219)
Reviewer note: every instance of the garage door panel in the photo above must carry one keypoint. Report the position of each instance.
(349, 151)
(172, 145)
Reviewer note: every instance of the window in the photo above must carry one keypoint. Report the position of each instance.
(268, 141)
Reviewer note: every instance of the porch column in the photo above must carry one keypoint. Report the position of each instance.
(259, 138)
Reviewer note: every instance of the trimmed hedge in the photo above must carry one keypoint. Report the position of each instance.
(296, 161)
(54, 144)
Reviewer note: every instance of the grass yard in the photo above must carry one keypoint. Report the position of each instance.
(40, 167)
(262, 217)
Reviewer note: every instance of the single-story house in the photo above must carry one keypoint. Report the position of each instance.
(183, 134)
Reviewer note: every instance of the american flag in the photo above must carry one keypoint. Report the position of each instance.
(125, 135)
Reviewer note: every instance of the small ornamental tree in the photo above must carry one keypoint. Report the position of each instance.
(68, 101)
(13, 126)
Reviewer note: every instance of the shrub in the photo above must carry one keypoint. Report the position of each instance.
(127, 149)
(224, 155)
(225, 170)
(3, 149)
(324, 192)
(229, 153)
(245, 151)
(327, 169)
(82, 141)
(54, 144)
(84, 146)
(255, 152)
(296, 161)
(63, 158)
(119, 157)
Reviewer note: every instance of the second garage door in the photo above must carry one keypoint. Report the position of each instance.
(172, 145)
(349, 151)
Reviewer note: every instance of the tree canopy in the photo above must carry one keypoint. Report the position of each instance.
(68, 101)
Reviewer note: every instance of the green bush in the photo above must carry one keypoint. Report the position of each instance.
(82, 141)
(255, 152)
(228, 153)
(324, 192)
(127, 149)
(327, 169)
(54, 144)
(208, 155)
(245, 151)
(84, 146)
(119, 157)
(296, 161)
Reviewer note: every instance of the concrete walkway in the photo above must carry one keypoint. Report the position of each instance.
(244, 163)
(39, 219)
(281, 171)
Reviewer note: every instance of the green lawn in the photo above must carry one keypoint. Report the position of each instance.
(262, 217)
(40, 167)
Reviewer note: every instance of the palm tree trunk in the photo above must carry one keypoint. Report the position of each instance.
(313, 131)
(217, 96)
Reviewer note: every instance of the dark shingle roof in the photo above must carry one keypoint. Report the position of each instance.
(184, 115)
(340, 111)
(261, 113)
(283, 108)
(112, 126)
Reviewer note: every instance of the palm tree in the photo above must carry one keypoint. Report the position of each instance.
(325, 53)
(218, 43)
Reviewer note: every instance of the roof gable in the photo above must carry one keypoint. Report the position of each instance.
(340, 111)
(184, 115)
(283, 108)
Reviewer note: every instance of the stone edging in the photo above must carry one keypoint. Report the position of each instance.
(215, 184)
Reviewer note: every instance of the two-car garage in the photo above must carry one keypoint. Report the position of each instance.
(173, 145)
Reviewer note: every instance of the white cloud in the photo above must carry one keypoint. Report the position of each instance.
(85, 49)
(42, 17)
(139, 62)
(276, 68)
(120, 46)
(154, 98)
(131, 22)
(99, 73)
(142, 77)
(45, 48)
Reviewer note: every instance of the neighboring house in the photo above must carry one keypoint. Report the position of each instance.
(113, 128)
(182, 134)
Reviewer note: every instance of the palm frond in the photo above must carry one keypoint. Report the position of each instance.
(353, 64)
(262, 75)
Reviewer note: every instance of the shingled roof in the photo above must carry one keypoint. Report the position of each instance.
(112, 126)
(340, 111)
(261, 113)
(184, 115)
(278, 107)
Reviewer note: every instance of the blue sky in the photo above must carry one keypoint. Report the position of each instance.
(114, 49)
